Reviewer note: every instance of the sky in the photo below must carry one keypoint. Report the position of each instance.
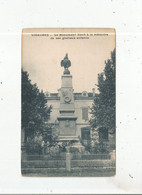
(41, 56)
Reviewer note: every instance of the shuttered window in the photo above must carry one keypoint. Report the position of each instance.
(85, 134)
(85, 113)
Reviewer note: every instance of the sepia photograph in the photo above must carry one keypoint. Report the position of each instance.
(68, 125)
(70, 97)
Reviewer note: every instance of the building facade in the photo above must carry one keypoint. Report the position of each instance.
(82, 102)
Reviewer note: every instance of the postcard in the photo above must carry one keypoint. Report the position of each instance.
(68, 102)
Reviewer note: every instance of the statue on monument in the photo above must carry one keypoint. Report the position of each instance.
(66, 63)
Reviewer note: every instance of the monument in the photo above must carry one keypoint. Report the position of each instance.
(67, 118)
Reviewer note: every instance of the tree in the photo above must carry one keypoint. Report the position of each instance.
(35, 112)
(103, 108)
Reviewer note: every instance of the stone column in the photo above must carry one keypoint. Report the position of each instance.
(68, 161)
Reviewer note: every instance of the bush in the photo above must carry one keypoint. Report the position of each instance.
(54, 150)
(100, 148)
(33, 145)
(74, 150)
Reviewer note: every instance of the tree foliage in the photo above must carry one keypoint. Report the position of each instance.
(35, 112)
(103, 108)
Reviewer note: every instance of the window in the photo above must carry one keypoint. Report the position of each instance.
(85, 113)
(85, 94)
(85, 134)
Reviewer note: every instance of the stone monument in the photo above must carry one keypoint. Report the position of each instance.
(67, 118)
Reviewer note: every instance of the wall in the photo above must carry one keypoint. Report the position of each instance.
(55, 110)
(79, 104)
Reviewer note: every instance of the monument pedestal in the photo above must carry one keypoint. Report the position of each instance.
(67, 118)
(67, 138)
